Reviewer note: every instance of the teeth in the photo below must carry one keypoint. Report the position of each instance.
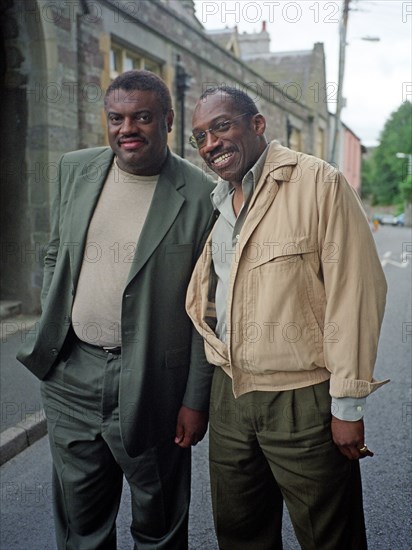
(222, 158)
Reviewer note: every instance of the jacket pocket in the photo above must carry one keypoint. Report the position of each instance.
(281, 331)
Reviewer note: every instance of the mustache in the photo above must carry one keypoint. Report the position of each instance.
(130, 137)
(219, 150)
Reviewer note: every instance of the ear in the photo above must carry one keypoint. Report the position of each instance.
(169, 120)
(259, 124)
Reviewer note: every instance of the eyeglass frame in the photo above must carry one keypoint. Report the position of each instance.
(212, 130)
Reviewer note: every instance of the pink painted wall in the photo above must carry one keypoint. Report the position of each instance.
(352, 158)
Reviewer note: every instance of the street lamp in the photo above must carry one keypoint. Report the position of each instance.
(370, 38)
(182, 85)
(289, 130)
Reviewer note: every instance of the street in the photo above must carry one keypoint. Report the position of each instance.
(26, 498)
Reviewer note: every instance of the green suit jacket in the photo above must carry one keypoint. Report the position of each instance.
(163, 361)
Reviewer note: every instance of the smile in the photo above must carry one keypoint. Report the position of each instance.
(221, 160)
(132, 144)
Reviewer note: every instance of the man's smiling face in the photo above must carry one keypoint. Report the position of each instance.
(137, 130)
(231, 154)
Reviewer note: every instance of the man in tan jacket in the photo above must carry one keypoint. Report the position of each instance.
(289, 296)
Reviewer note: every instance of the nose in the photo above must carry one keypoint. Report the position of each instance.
(129, 126)
(211, 141)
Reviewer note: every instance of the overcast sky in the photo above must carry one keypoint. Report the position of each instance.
(378, 75)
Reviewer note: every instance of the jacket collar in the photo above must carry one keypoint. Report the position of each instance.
(87, 187)
(279, 164)
(164, 208)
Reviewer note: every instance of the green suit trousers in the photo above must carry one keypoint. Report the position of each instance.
(89, 462)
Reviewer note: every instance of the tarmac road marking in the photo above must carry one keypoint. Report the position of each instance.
(388, 260)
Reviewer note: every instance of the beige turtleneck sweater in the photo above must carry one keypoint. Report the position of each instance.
(111, 243)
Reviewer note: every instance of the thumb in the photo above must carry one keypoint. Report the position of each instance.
(179, 432)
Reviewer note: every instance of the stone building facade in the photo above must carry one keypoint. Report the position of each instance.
(57, 58)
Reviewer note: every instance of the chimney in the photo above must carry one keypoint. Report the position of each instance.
(255, 43)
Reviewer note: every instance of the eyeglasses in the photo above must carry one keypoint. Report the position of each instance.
(198, 140)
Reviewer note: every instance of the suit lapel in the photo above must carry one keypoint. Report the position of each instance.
(88, 185)
(164, 208)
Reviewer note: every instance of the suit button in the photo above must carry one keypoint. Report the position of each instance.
(54, 351)
(67, 319)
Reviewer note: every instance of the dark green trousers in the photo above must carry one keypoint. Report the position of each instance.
(270, 447)
(89, 462)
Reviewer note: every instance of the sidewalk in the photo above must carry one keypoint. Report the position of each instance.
(22, 419)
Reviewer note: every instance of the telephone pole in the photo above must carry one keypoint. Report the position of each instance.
(339, 102)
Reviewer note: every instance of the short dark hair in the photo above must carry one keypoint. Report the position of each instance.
(240, 99)
(142, 80)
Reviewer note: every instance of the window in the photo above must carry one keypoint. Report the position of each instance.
(122, 60)
(295, 140)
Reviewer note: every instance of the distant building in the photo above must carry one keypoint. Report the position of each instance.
(349, 155)
(352, 158)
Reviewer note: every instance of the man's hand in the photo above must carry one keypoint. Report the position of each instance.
(349, 437)
(191, 427)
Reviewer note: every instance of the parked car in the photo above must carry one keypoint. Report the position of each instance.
(386, 219)
(400, 220)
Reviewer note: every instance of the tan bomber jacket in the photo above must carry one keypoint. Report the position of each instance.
(307, 291)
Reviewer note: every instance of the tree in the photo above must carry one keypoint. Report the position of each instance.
(367, 178)
(384, 172)
(406, 189)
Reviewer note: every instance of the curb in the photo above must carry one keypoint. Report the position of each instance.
(19, 437)
(15, 439)
(20, 323)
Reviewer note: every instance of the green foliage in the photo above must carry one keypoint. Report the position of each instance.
(383, 174)
(367, 179)
(406, 189)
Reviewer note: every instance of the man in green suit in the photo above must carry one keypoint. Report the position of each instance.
(125, 382)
